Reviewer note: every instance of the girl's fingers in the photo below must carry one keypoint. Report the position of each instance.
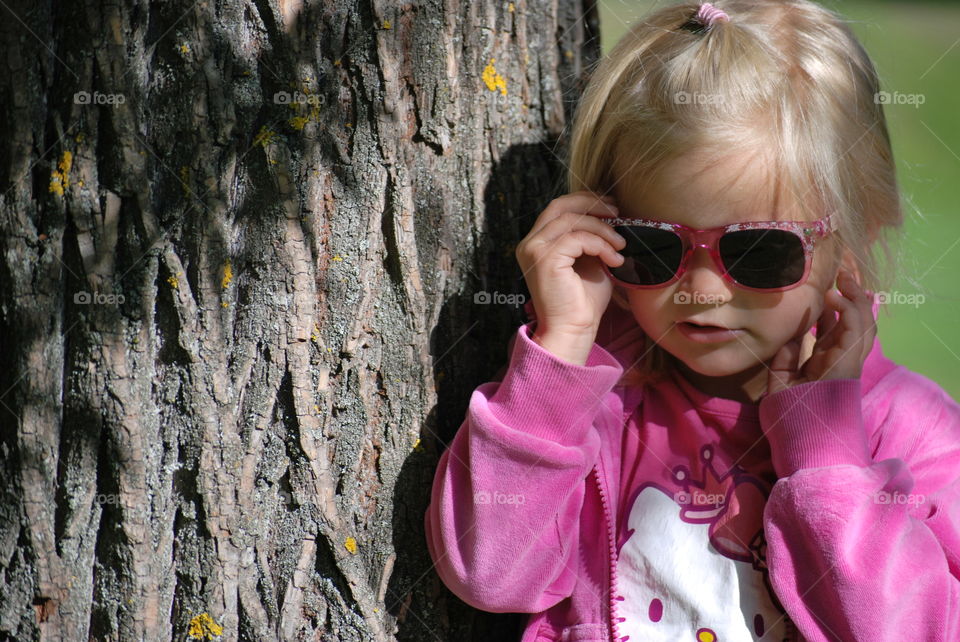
(783, 366)
(826, 328)
(581, 203)
(852, 291)
(848, 327)
(869, 332)
(572, 222)
(866, 305)
(849, 313)
(578, 243)
(586, 202)
(845, 333)
(859, 310)
(855, 329)
(577, 207)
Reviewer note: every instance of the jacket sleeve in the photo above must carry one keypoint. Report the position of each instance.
(502, 526)
(864, 545)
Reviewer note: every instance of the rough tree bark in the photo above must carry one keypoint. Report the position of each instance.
(241, 243)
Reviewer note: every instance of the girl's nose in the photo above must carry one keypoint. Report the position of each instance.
(704, 277)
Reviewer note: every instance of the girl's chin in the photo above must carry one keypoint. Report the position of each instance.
(715, 370)
(719, 362)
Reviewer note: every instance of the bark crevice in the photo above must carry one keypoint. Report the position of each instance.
(240, 244)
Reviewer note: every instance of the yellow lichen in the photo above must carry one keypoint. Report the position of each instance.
(184, 49)
(227, 275)
(307, 106)
(174, 281)
(59, 179)
(336, 257)
(204, 627)
(387, 25)
(494, 80)
(264, 137)
(510, 8)
(298, 122)
(351, 545)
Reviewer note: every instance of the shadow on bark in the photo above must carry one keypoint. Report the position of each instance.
(469, 345)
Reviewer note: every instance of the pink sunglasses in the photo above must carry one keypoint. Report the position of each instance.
(764, 256)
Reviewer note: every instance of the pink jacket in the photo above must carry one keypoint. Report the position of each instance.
(861, 525)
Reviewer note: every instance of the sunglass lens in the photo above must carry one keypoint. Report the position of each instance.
(763, 258)
(651, 256)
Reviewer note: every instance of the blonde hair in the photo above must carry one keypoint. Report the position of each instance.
(788, 73)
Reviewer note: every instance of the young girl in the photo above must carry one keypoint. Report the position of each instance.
(722, 453)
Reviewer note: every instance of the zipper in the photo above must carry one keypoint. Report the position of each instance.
(611, 560)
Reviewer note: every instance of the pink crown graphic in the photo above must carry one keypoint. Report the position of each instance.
(732, 504)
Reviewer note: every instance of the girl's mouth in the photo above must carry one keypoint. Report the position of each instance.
(707, 333)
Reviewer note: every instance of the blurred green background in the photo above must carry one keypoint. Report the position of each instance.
(915, 47)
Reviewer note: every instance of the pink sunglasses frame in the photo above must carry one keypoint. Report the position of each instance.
(808, 232)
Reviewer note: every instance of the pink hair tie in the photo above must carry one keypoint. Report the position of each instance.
(709, 14)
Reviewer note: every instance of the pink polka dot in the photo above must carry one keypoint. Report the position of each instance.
(656, 610)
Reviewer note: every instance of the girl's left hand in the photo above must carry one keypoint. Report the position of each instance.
(841, 346)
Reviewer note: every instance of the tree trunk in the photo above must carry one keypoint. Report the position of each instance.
(241, 248)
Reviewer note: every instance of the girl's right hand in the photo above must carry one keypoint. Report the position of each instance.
(560, 259)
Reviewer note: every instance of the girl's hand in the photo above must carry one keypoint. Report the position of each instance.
(841, 346)
(559, 259)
